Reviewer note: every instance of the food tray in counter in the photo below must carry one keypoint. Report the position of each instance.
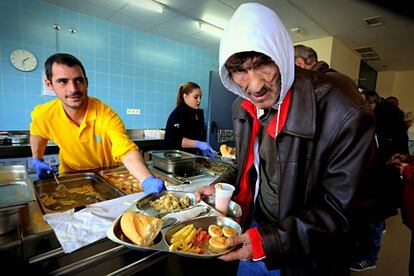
(173, 161)
(82, 189)
(15, 186)
(122, 179)
(214, 166)
(163, 241)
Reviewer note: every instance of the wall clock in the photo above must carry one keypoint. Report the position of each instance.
(23, 60)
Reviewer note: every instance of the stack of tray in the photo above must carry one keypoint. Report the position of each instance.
(16, 192)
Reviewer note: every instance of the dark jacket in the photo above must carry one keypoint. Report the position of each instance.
(325, 152)
(184, 122)
(392, 137)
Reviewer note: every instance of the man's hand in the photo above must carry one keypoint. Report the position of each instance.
(204, 191)
(243, 253)
(153, 185)
(205, 149)
(42, 169)
(400, 161)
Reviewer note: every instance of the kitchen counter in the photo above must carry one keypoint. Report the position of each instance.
(35, 248)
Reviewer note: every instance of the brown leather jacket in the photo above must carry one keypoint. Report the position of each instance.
(324, 153)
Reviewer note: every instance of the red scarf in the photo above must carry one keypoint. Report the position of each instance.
(245, 196)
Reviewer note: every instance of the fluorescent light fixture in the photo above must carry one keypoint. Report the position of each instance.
(150, 5)
(214, 30)
(299, 31)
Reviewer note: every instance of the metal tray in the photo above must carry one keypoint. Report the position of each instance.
(122, 180)
(213, 165)
(161, 242)
(47, 188)
(185, 178)
(234, 210)
(107, 173)
(143, 204)
(15, 186)
(173, 161)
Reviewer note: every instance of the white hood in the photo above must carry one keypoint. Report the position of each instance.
(255, 27)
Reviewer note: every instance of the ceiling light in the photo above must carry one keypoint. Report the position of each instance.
(150, 5)
(299, 31)
(214, 30)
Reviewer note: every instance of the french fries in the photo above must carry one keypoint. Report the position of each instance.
(181, 240)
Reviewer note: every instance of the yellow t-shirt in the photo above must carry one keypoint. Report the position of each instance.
(98, 142)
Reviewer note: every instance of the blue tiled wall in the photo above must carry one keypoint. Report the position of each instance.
(126, 68)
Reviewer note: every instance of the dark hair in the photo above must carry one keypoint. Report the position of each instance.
(62, 58)
(371, 96)
(237, 60)
(186, 88)
(308, 54)
(393, 100)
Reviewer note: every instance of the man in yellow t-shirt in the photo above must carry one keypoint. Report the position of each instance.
(89, 134)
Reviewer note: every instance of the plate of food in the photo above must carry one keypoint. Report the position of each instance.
(203, 237)
(166, 202)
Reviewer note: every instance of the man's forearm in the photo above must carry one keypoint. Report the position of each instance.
(38, 146)
(135, 164)
(188, 143)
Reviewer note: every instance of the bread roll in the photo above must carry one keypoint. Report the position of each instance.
(229, 232)
(215, 231)
(218, 244)
(140, 229)
(228, 152)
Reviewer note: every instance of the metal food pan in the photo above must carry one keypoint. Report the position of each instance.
(173, 161)
(15, 186)
(125, 185)
(65, 200)
(161, 242)
(10, 173)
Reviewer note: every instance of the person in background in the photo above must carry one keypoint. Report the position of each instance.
(307, 58)
(408, 119)
(185, 126)
(304, 143)
(405, 164)
(393, 100)
(390, 137)
(89, 134)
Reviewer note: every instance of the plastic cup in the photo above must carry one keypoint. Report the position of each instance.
(224, 192)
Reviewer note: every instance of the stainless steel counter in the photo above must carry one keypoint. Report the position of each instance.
(35, 248)
(136, 135)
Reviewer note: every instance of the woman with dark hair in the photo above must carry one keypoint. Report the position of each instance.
(185, 126)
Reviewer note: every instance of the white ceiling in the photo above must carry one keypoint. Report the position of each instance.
(344, 19)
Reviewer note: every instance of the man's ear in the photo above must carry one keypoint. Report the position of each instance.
(49, 85)
(300, 62)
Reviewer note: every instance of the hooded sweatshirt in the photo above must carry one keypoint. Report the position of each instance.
(263, 32)
(255, 27)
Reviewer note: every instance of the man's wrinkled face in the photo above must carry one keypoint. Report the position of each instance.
(259, 78)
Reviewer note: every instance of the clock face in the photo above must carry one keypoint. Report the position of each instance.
(23, 60)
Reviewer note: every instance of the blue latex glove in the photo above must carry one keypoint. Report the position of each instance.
(42, 169)
(153, 185)
(205, 149)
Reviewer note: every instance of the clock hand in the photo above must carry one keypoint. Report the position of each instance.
(24, 60)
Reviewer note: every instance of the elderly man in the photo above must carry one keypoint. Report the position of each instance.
(303, 141)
